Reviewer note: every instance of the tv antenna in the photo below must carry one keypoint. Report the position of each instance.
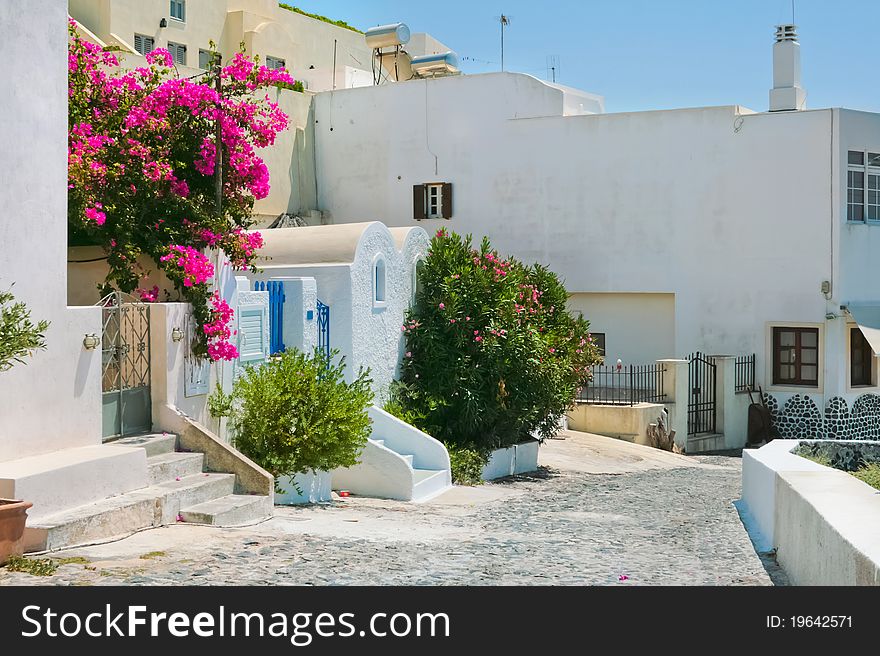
(552, 67)
(504, 19)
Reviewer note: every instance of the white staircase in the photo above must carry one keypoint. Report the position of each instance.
(177, 486)
(398, 462)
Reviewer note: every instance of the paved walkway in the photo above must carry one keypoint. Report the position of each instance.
(599, 509)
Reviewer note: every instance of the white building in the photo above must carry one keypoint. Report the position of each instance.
(364, 274)
(718, 229)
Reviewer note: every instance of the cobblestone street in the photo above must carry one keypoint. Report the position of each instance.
(599, 509)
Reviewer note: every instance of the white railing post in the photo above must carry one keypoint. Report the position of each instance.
(675, 387)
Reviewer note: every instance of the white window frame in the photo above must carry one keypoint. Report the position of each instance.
(379, 274)
(274, 63)
(175, 48)
(869, 168)
(144, 39)
(434, 200)
(182, 5)
(769, 355)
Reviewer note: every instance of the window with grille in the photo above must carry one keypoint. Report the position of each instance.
(863, 186)
(274, 62)
(178, 10)
(143, 44)
(796, 356)
(178, 53)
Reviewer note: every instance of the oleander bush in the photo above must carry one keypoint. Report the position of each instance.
(493, 355)
(296, 413)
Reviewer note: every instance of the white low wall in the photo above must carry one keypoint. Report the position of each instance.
(623, 422)
(823, 523)
(401, 437)
(314, 487)
(759, 470)
(517, 459)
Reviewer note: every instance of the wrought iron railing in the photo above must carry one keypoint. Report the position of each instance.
(745, 373)
(624, 385)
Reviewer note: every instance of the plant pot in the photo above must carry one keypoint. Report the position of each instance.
(314, 487)
(13, 515)
(517, 459)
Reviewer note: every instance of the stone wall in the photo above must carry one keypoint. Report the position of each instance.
(800, 418)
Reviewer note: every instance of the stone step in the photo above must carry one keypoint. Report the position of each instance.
(231, 510)
(428, 483)
(124, 514)
(192, 490)
(168, 466)
(704, 443)
(153, 443)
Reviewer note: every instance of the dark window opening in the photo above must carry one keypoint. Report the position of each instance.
(796, 356)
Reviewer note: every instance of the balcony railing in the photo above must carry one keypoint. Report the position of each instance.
(626, 385)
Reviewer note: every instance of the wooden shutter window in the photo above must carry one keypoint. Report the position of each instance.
(419, 202)
(446, 200)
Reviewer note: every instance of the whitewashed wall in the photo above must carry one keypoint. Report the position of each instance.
(53, 402)
(735, 213)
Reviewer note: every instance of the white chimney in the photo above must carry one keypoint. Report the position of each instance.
(787, 94)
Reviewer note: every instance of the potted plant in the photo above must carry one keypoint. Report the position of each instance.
(19, 338)
(13, 515)
(296, 417)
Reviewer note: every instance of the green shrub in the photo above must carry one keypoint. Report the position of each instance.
(337, 23)
(870, 474)
(467, 465)
(19, 337)
(493, 355)
(296, 413)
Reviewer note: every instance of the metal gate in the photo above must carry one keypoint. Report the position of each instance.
(125, 374)
(701, 394)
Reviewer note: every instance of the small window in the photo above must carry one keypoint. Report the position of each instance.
(599, 341)
(856, 157)
(274, 62)
(204, 59)
(432, 201)
(379, 279)
(178, 53)
(796, 356)
(863, 186)
(861, 359)
(178, 10)
(143, 44)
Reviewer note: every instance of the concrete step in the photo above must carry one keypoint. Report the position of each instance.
(193, 490)
(428, 483)
(408, 457)
(168, 466)
(124, 514)
(153, 443)
(231, 510)
(704, 443)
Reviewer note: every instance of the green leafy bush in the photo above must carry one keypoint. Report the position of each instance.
(870, 474)
(492, 355)
(296, 413)
(19, 337)
(467, 465)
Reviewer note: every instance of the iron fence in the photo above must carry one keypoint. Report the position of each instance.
(625, 385)
(745, 373)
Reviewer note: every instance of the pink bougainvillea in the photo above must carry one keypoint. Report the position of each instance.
(142, 153)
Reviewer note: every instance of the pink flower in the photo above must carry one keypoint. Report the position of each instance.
(623, 577)
(179, 517)
(452, 321)
(442, 306)
(149, 295)
(409, 354)
(478, 339)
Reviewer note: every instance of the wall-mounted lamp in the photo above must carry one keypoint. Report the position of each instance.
(163, 23)
(176, 335)
(91, 341)
(831, 316)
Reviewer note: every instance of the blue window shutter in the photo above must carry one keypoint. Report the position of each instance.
(252, 344)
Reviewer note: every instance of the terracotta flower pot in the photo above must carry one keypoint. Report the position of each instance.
(13, 515)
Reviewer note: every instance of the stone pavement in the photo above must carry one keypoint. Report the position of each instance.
(597, 510)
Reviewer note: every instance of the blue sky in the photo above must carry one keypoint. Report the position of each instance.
(651, 54)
